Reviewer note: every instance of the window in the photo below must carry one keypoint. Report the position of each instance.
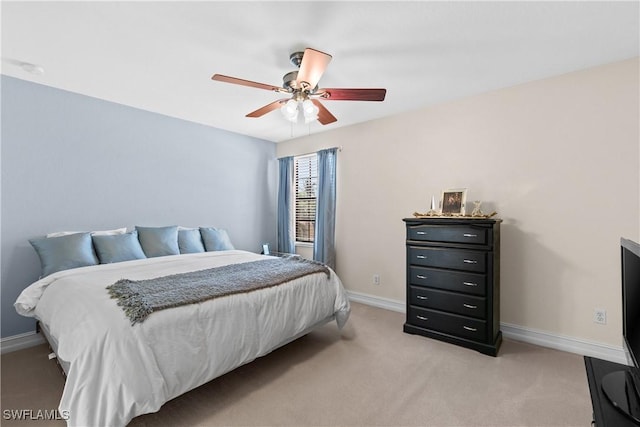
(306, 184)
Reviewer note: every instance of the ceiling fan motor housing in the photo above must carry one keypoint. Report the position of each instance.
(290, 81)
(291, 84)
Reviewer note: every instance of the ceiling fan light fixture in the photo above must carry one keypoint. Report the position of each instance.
(308, 107)
(290, 110)
(310, 111)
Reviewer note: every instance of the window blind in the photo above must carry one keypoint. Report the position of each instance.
(306, 183)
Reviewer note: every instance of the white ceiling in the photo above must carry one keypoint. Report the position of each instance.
(160, 56)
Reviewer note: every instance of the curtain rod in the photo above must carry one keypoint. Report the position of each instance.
(339, 148)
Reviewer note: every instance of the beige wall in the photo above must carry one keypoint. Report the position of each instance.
(558, 159)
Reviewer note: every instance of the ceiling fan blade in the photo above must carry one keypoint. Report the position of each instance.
(312, 67)
(354, 94)
(267, 108)
(242, 82)
(324, 116)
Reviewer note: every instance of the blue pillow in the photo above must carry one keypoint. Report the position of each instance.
(158, 241)
(215, 239)
(64, 252)
(190, 241)
(118, 247)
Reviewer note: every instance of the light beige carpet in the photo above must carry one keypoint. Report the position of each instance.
(369, 374)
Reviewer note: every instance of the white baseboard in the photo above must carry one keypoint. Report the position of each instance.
(386, 303)
(519, 333)
(20, 341)
(564, 343)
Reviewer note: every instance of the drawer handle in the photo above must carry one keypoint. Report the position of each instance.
(421, 232)
(470, 261)
(469, 284)
(421, 257)
(470, 235)
(422, 318)
(420, 276)
(421, 297)
(470, 306)
(469, 328)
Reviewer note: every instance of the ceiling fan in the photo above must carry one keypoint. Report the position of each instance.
(302, 85)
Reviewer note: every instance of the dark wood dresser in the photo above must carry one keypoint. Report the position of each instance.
(453, 281)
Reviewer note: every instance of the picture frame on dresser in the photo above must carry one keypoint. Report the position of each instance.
(453, 201)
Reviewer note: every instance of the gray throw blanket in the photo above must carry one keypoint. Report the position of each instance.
(140, 298)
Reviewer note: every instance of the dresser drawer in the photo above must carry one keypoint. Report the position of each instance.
(448, 234)
(457, 281)
(466, 305)
(454, 324)
(458, 259)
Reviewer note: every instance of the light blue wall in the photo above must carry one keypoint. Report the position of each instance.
(72, 162)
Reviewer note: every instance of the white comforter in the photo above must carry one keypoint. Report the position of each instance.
(118, 371)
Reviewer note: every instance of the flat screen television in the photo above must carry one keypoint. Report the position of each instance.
(622, 388)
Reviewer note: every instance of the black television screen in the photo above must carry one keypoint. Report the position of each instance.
(630, 257)
(622, 388)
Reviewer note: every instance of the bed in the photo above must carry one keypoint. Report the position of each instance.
(117, 369)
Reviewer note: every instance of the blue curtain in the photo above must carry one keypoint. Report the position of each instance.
(324, 242)
(286, 241)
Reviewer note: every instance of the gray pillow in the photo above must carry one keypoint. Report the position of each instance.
(159, 241)
(190, 241)
(64, 252)
(118, 247)
(215, 239)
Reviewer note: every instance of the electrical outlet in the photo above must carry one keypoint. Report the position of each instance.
(376, 279)
(600, 316)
